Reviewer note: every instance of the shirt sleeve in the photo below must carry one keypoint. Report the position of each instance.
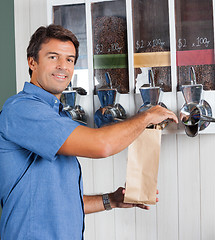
(37, 127)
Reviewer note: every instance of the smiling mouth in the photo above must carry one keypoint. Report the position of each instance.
(60, 76)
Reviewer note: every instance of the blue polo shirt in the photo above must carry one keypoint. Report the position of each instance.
(41, 192)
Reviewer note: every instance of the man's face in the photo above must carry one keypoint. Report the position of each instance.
(55, 66)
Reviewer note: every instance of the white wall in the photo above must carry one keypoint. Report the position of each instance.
(186, 210)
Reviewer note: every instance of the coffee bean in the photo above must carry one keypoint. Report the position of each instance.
(205, 75)
(110, 37)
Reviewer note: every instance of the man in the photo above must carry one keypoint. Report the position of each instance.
(40, 178)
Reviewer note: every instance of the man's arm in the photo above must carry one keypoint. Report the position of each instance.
(94, 204)
(111, 139)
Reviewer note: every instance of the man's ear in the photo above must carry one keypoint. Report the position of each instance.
(32, 63)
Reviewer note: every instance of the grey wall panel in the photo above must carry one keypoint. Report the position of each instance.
(7, 50)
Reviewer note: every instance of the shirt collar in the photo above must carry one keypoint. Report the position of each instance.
(52, 100)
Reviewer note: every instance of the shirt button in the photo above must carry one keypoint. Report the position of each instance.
(55, 101)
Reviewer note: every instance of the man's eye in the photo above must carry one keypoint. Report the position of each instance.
(70, 60)
(52, 57)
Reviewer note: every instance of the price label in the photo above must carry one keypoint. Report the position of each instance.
(151, 43)
(199, 42)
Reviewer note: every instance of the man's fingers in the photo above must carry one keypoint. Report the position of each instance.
(143, 206)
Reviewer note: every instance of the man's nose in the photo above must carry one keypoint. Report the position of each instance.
(62, 63)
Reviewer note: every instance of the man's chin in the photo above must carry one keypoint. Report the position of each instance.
(57, 93)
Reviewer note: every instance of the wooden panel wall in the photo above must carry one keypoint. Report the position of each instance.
(186, 210)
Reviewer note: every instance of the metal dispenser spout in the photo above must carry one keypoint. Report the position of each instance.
(69, 99)
(150, 95)
(196, 113)
(109, 110)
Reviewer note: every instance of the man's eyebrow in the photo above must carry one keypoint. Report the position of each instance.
(49, 53)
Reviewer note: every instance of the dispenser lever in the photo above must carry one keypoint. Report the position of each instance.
(151, 78)
(192, 76)
(108, 80)
(207, 118)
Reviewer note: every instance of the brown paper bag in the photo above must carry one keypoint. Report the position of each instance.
(142, 168)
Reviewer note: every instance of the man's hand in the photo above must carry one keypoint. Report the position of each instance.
(158, 114)
(94, 203)
(117, 197)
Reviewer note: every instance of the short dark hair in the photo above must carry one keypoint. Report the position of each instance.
(44, 34)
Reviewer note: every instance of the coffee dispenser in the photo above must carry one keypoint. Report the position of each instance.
(109, 111)
(196, 113)
(150, 95)
(69, 99)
